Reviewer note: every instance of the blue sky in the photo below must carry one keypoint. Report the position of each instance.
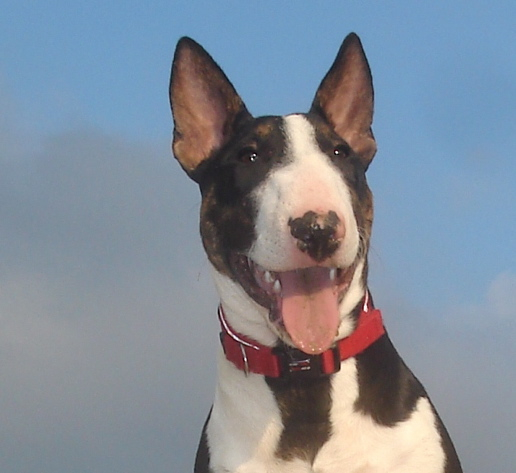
(107, 313)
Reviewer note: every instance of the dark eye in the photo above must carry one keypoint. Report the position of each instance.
(342, 151)
(248, 155)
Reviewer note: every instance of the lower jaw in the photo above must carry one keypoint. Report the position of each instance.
(265, 288)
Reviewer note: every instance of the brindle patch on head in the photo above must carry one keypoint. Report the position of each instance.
(265, 128)
(227, 180)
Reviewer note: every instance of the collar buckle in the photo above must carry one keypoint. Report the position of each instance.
(297, 364)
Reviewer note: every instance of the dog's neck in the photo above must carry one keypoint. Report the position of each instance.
(283, 361)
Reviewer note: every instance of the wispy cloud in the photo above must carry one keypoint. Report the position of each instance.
(464, 357)
(101, 323)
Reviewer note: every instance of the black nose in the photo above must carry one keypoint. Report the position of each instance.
(316, 234)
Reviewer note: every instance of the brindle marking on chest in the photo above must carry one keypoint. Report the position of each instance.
(305, 411)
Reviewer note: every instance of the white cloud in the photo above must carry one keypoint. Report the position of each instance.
(496, 311)
(465, 358)
(501, 297)
(103, 336)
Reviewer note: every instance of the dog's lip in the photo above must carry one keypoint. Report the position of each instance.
(270, 281)
(264, 285)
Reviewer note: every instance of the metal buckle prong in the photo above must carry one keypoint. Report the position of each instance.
(295, 366)
(244, 357)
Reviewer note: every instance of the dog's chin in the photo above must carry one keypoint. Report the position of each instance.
(302, 303)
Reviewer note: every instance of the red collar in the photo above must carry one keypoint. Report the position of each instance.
(282, 361)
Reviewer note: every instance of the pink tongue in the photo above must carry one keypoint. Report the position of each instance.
(309, 308)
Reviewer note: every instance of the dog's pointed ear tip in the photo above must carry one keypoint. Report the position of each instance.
(186, 48)
(352, 37)
(185, 44)
(186, 41)
(352, 40)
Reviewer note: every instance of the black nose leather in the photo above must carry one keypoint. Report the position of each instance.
(316, 234)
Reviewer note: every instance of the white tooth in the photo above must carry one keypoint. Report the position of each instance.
(333, 274)
(277, 286)
(268, 277)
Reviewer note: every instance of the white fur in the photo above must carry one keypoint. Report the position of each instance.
(243, 313)
(359, 444)
(245, 424)
(245, 428)
(308, 182)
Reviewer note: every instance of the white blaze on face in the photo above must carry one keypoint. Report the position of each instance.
(308, 301)
(309, 182)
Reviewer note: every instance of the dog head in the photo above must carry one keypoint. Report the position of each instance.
(286, 212)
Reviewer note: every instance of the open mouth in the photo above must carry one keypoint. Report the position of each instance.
(303, 303)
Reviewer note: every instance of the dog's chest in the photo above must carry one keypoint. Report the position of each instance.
(247, 432)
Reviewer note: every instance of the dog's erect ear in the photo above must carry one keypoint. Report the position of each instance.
(345, 98)
(205, 105)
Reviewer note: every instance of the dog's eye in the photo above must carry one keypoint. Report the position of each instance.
(342, 151)
(248, 155)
